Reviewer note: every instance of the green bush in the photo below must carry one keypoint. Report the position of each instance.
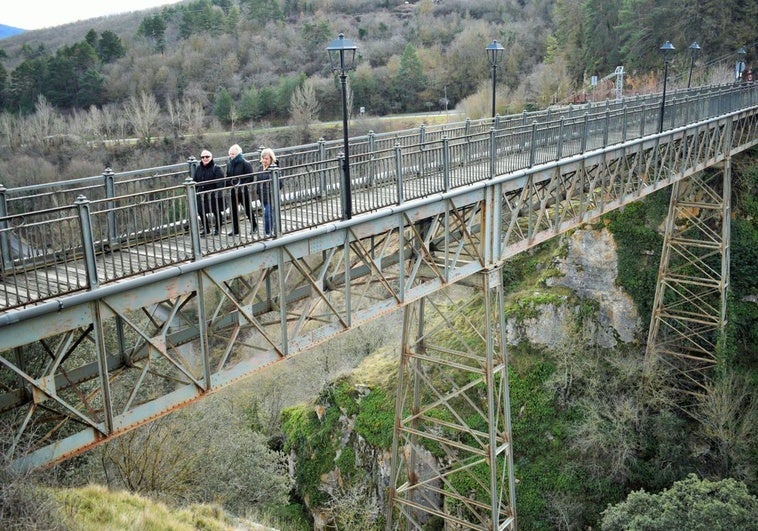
(689, 505)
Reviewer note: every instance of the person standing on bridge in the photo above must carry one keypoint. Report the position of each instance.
(239, 175)
(265, 189)
(208, 178)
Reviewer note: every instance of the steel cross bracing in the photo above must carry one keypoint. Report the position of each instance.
(92, 365)
(453, 408)
(689, 310)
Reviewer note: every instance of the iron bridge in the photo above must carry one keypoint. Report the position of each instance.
(114, 310)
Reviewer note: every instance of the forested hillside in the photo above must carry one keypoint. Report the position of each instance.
(207, 66)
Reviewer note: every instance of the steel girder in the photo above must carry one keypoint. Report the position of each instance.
(102, 366)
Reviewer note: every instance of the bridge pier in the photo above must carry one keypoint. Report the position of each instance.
(689, 310)
(452, 456)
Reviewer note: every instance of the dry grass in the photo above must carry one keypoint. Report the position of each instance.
(95, 508)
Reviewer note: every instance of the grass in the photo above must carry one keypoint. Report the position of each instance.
(95, 508)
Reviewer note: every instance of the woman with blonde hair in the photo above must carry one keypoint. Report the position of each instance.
(265, 190)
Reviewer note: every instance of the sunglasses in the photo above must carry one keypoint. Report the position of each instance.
(205, 157)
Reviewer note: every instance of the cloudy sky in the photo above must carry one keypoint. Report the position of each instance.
(36, 14)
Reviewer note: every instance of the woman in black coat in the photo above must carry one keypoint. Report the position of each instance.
(208, 178)
(239, 175)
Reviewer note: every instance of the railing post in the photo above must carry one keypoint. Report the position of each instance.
(110, 193)
(276, 201)
(372, 157)
(584, 134)
(192, 166)
(190, 191)
(606, 126)
(533, 147)
(399, 173)
(643, 117)
(446, 162)
(421, 157)
(523, 117)
(88, 245)
(559, 150)
(493, 153)
(343, 191)
(323, 187)
(5, 247)
(672, 112)
(467, 134)
(686, 109)
(624, 117)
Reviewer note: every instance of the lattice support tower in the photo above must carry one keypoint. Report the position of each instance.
(689, 310)
(452, 456)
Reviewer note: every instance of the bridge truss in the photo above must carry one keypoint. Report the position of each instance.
(88, 367)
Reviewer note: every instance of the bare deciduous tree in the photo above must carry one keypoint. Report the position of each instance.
(304, 108)
(143, 113)
(44, 124)
(728, 416)
(180, 116)
(205, 453)
(351, 507)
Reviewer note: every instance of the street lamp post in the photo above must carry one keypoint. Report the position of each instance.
(667, 50)
(741, 53)
(342, 58)
(494, 52)
(694, 51)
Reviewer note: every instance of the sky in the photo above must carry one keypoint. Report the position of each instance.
(37, 14)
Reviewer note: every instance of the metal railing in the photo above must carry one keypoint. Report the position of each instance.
(62, 237)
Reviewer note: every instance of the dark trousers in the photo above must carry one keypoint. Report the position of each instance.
(209, 203)
(241, 195)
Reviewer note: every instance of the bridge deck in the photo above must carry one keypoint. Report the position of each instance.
(45, 250)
